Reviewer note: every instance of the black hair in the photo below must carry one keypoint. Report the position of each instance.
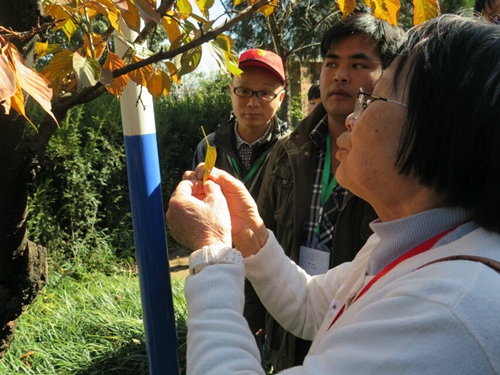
(387, 38)
(314, 91)
(449, 69)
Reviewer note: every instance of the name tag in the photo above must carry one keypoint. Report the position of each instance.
(314, 261)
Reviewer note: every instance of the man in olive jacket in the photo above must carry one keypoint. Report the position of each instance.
(245, 138)
(319, 223)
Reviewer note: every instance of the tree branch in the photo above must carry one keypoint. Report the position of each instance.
(86, 95)
(47, 128)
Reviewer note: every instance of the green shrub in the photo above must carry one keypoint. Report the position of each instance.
(92, 326)
(79, 206)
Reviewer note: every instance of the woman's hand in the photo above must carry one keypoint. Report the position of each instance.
(198, 214)
(248, 231)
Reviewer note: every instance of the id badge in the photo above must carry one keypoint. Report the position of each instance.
(314, 259)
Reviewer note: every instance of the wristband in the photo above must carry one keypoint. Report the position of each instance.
(214, 254)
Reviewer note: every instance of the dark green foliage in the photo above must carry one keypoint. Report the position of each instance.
(79, 206)
(300, 26)
(296, 111)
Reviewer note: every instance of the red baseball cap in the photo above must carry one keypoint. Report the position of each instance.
(264, 59)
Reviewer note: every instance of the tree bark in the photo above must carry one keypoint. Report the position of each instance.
(23, 264)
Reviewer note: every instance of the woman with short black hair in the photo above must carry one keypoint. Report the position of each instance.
(423, 295)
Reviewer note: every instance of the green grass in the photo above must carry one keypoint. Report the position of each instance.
(88, 326)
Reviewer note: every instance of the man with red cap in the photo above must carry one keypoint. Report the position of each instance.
(245, 139)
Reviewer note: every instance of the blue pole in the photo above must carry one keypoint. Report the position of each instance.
(143, 169)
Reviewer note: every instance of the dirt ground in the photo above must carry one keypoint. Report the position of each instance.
(178, 257)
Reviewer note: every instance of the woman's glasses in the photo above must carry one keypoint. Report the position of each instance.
(363, 100)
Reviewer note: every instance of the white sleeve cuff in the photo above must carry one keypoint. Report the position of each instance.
(213, 254)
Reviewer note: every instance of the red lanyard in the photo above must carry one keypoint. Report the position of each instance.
(422, 248)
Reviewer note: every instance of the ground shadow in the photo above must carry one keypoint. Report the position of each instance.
(128, 360)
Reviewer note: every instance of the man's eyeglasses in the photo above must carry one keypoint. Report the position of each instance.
(363, 100)
(268, 96)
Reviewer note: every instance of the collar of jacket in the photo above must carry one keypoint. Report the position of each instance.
(301, 133)
(225, 137)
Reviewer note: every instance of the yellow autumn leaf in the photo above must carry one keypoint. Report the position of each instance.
(8, 79)
(91, 9)
(35, 84)
(113, 13)
(190, 60)
(69, 28)
(387, 10)
(112, 63)
(41, 48)
(167, 82)
(347, 7)
(131, 16)
(53, 48)
(184, 7)
(424, 10)
(17, 103)
(58, 69)
(204, 6)
(142, 75)
(172, 70)
(58, 12)
(221, 50)
(210, 158)
(94, 49)
(147, 10)
(171, 26)
(155, 85)
(268, 9)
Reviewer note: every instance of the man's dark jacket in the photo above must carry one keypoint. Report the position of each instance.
(224, 140)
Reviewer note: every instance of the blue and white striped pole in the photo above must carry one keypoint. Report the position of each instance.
(143, 169)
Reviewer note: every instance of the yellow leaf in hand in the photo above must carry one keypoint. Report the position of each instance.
(210, 158)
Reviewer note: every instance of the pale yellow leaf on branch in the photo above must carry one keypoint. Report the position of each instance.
(171, 26)
(210, 158)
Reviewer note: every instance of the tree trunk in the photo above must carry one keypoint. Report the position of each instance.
(23, 264)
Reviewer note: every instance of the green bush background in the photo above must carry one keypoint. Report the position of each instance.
(79, 206)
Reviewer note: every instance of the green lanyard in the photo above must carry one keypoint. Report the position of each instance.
(326, 185)
(252, 171)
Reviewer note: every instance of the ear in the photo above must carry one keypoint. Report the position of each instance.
(282, 96)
